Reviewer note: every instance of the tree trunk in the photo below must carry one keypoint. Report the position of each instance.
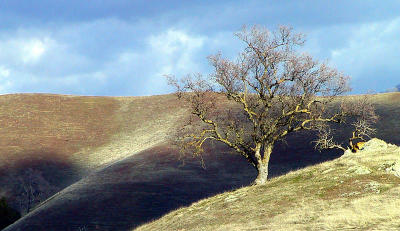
(262, 176)
(262, 166)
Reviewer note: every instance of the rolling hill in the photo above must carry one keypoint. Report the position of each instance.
(109, 163)
(358, 191)
(63, 138)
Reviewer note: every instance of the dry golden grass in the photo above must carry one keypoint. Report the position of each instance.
(146, 122)
(86, 131)
(40, 126)
(355, 192)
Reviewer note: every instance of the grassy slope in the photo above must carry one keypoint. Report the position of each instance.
(129, 186)
(34, 124)
(66, 137)
(78, 129)
(354, 192)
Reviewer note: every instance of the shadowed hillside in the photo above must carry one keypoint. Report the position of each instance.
(135, 177)
(359, 191)
(138, 189)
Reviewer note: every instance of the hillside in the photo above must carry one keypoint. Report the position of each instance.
(354, 192)
(62, 138)
(111, 167)
(80, 129)
(135, 190)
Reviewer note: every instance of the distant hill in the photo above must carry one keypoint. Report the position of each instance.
(62, 138)
(74, 129)
(109, 160)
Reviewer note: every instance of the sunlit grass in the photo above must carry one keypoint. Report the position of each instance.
(327, 196)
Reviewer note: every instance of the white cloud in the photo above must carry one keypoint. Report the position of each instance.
(21, 50)
(169, 52)
(106, 56)
(4, 72)
(368, 52)
(5, 82)
(32, 50)
(370, 46)
(175, 49)
(33, 61)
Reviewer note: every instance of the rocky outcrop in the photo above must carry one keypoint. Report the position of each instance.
(375, 155)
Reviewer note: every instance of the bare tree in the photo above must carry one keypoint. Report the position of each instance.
(267, 93)
(31, 189)
(360, 115)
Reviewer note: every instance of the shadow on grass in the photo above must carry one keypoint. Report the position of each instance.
(30, 180)
(152, 183)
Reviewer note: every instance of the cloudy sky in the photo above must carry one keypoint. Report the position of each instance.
(123, 47)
